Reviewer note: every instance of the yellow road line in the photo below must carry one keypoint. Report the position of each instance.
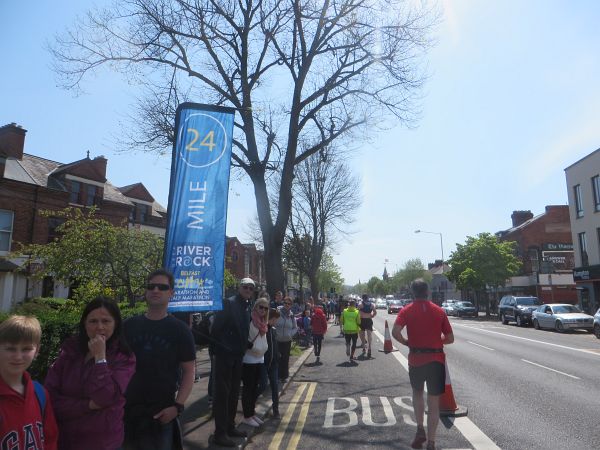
(276, 442)
(302, 418)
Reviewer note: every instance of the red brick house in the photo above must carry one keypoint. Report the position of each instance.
(244, 260)
(545, 247)
(30, 184)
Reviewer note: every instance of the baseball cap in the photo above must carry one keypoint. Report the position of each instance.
(247, 281)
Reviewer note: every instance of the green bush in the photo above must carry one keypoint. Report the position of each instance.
(59, 319)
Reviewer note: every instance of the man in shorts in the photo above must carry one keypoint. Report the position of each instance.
(428, 330)
(367, 311)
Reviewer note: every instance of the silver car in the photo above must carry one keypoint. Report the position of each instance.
(561, 317)
(448, 308)
(597, 323)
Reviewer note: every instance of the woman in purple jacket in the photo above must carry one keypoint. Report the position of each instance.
(87, 381)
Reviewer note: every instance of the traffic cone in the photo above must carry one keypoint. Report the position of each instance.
(387, 341)
(448, 406)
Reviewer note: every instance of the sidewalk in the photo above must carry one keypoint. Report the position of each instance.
(196, 420)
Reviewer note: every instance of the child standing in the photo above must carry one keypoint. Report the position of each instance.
(319, 328)
(26, 416)
(307, 326)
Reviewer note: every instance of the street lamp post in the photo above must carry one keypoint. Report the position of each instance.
(442, 248)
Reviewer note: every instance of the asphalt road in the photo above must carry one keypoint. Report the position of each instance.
(524, 389)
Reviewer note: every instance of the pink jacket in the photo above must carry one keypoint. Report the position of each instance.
(72, 383)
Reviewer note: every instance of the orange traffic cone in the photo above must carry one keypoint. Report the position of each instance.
(387, 341)
(448, 406)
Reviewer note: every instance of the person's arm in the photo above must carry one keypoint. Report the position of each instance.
(65, 406)
(397, 334)
(448, 338)
(188, 370)
(373, 311)
(107, 383)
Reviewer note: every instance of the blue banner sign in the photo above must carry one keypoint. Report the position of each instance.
(197, 213)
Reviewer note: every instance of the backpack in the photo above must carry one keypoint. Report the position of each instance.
(367, 307)
(201, 324)
(40, 394)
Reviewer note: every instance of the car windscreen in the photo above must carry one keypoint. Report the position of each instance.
(529, 301)
(565, 309)
(466, 304)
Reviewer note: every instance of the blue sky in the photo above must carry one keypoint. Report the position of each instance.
(513, 98)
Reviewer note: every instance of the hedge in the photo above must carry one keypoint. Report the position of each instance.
(59, 319)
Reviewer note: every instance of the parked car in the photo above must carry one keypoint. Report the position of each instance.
(597, 323)
(394, 306)
(518, 309)
(561, 317)
(464, 309)
(380, 304)
(448, 308)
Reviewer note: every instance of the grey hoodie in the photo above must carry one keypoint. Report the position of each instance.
(286, 325)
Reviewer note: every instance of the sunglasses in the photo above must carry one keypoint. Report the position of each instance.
(265, 308)
(287, 303)
(160, 286)
(247, 286)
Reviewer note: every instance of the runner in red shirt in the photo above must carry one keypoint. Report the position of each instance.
(428, 330)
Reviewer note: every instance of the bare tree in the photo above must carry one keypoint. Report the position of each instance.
(308, 71)
(326, 197)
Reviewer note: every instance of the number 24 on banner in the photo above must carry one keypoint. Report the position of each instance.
(208, 141)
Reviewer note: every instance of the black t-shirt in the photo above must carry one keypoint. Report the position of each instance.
(159, 346)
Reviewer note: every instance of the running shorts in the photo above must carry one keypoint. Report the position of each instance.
(366, 324)
(433, 373)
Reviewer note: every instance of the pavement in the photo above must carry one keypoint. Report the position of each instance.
(197, 423)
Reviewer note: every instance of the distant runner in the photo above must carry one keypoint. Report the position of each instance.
(367, 312)
(350, 321)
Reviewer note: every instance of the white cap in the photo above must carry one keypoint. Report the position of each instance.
(246, 281)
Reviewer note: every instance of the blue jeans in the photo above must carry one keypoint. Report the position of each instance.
(149, 436)
(273, 373)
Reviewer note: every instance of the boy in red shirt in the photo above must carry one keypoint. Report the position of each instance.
(26, 416)
(428, 330)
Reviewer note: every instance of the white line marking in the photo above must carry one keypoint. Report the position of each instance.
(532, 340)
(479, 345)
(553, 370)
(468, 429)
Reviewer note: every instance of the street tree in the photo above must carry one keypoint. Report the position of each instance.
(329, 275)
(481, 262)
(326, 197)
(95, 257)
(302, 75)
(410, 271)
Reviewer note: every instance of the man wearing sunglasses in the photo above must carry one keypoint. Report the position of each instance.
(165, 365)
(230, 341)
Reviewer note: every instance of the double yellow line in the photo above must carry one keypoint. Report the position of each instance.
(285, 422)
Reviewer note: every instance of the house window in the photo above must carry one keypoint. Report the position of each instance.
(583, 249)
(53, 224)
(6, 226)
(578, 202)
(246, 264)
(143, 213)
(234, 256)
(534, 259)
(75, 196)
(596, 191)
(48, 287)
(90, 195)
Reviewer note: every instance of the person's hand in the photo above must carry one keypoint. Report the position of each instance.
(94, 405)
(97, 346)
(166, 415)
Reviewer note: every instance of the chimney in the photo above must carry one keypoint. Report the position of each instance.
(519, 217)
(99, 163)
(12, 141)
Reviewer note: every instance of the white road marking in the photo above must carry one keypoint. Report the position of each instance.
(582, 350)
(468, 429)
(553, 370)
(482, 346)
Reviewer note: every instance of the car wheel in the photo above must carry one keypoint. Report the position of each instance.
(597, 330)
(536, 325)
(519, 321)
(558, 326)
(504, 321)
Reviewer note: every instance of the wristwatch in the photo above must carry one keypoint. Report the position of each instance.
(180, 407)
(102, 361)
